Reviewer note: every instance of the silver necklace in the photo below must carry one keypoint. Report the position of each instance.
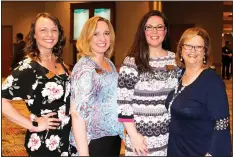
(176, 93)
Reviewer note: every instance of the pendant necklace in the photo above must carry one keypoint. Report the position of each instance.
(54, 65)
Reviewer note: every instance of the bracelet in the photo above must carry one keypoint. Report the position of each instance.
(32, 117)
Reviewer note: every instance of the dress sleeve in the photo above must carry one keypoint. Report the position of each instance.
(128, 77)
(219, 112)
(83, 91)
(20, 84)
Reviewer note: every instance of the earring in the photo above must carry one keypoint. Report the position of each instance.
(181, 58)
(204, 60)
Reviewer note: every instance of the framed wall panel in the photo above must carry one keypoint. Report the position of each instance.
(81, 12)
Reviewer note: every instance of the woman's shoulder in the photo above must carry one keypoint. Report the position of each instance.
(129, 60)
(26, 64)
(171, 54)
(211, 73)
(109, 61)
(26, 60)
(211, 77)
(169, 59)
(83, 64)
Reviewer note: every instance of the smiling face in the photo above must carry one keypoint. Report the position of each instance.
(155, 36)
(100, 41)
(191, 56)
(46, 34)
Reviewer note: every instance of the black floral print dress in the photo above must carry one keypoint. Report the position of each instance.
(43, 92)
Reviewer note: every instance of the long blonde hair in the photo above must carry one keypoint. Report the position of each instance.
(83, 42)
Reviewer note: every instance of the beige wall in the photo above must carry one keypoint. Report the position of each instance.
(20, 15)
(125, 25)
(203, 14)
(62, 11)
(128, 16)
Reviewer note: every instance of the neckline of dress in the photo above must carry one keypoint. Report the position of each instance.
(198, 77)
(162, 57)
(58, 75)
(97, 65)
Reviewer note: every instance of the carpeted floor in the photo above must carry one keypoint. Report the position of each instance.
(13, 135)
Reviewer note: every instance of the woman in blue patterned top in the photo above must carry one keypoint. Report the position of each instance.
(96, 130)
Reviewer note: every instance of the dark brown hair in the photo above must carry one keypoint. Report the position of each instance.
(140, 49)
(31, 48)
(189, 34)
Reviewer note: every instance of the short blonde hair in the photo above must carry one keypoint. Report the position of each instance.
(189, 34)
(83, 42)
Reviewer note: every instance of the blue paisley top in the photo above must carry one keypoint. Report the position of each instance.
(94, 94)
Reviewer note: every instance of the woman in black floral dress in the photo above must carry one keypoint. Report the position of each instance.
(43, 82)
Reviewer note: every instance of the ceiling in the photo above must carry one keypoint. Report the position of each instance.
(227, 17)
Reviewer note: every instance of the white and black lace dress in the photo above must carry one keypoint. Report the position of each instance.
(141, 99)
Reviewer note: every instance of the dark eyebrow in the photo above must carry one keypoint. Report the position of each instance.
(160, 25)
(48, 28)
(156, 25)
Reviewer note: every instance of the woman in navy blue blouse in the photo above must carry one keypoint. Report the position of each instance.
(198, 107)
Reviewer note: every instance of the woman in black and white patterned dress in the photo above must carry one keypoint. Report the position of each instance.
(147, 75)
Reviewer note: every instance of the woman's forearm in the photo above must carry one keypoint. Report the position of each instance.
(15, 116)
(130, 128)
(80, 134)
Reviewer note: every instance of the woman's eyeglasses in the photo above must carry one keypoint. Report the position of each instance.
(158, 28)
(190, 47)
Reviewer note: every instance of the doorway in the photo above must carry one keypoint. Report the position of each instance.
(7, 49)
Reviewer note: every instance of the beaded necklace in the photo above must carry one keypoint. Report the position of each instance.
(176, 93)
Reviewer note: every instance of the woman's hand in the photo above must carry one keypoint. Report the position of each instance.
(139, 144)
(47, 122)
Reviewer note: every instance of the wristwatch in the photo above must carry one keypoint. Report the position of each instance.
(34, 123)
